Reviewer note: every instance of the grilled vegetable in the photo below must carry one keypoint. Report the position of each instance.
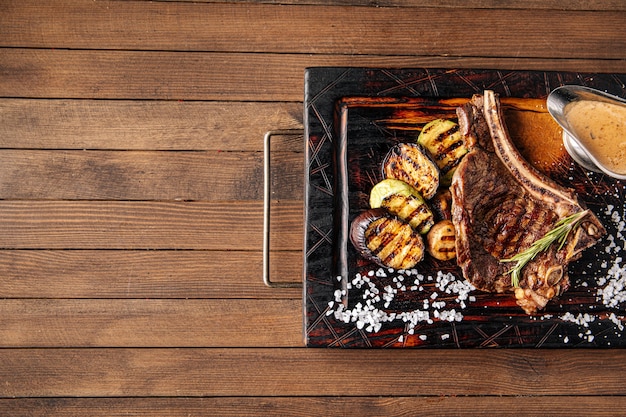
(410, 163)
(441, 204)
(404, 201)
(386, 240)
(441, 241)
(443, 140)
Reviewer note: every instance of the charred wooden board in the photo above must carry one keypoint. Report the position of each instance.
(352, 117)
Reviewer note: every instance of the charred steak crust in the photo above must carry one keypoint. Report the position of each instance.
(501, 205)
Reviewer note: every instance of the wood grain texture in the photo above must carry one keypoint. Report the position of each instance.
(146, 125)
(118, 299)
(375, 406)
(166, 274)
(608, 5)
(150, 323)
(148, 175)
(181, 372)
(147, 225)
(166, 75)
(257, 28)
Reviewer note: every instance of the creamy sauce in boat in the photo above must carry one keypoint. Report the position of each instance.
(601, 129)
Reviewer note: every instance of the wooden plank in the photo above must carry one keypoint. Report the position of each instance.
(146, 125)
(590, 5)
(148, 175)
(311, 29)
(273, 372)
(45, 73)
(439, 406)
(146, 274)
(147, 225)
(151, 323)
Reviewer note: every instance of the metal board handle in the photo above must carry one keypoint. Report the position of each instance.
(266, 209)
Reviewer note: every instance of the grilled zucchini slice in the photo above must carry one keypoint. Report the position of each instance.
(410, 162)
(441, 241)
(445, 143)
(386, 240)
(404, 201)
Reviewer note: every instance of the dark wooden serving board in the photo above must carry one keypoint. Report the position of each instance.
(352, 117)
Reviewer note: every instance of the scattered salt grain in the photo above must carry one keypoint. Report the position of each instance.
(617, 321)
(612, 282)
(580, 319)
(369, 315)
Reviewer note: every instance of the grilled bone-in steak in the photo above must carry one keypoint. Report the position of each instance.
(501, 205)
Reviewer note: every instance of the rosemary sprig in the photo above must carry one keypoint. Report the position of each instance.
(559, 234)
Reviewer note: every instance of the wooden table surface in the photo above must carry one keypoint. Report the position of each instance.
(131, 207)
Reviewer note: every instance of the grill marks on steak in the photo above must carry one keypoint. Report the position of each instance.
(501, 205)
(508, 227)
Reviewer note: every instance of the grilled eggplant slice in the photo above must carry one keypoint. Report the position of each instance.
(386, 240)
(441, 241)
(404, 201)
(410, 162)
(446, 145)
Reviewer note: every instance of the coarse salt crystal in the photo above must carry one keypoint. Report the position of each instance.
(370, 317)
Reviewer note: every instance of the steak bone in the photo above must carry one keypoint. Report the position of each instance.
(502, 204)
